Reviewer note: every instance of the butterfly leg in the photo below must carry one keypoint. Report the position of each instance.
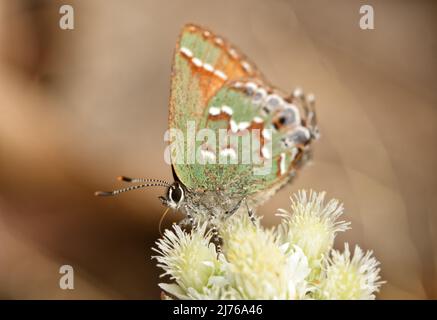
(250, 212)
(234, 209)
(216, 239)
(188, 221)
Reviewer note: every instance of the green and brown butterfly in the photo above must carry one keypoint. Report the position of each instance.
(214, 86)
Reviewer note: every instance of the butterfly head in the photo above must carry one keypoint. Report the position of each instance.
(174, 196)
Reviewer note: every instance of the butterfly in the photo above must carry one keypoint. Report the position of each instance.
(214, 86)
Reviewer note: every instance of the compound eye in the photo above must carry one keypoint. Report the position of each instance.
(175, 194)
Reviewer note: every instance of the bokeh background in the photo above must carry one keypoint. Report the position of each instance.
(78, 108)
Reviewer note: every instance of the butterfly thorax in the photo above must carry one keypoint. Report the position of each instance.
(205, 206)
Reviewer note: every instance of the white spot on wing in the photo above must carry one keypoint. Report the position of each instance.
(265, 152)
(267, 134)
(258, 120)
(295, 110)
(220, 74)
(273, 101)
(282, 168)
(238, 84)
(259, 96)
(218, 41)
(214, 111)
(208, 67)
(228, 110)
(197, 62)
(243, 125)
(246, 66)
(233, 53)
(250, 88)
(234, 127)
(186, 52)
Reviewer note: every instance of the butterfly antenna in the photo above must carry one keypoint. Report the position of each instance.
(137, 180)
(161, 220)
(115, 192)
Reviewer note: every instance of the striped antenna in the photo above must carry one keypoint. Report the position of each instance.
(137, 180)
(149, 183)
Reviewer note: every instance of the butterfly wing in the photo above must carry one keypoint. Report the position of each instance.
(265, 124)
(203, 62)
(217, 88)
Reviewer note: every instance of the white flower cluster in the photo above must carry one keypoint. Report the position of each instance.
(293, 261)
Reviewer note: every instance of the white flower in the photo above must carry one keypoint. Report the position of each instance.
(312, 225)
(296, 273)
(288, 262)
(258, 267)
(189, 259)
(347, 278)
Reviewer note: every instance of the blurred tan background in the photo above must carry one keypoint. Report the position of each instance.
(78, 108)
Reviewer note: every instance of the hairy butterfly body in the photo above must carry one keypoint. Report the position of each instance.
(215, 87)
